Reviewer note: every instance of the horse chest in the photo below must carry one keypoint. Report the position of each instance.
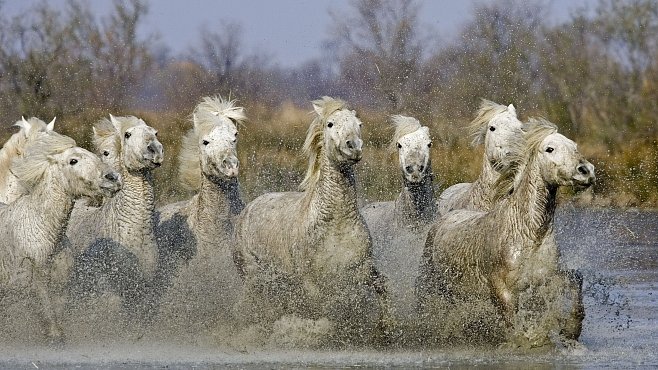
(340, 250)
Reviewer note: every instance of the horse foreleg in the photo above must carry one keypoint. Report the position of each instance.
(387, 324)
(504, 298)
(573, 292)
(53, 330)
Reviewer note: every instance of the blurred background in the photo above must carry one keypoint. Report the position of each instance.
(589, 66)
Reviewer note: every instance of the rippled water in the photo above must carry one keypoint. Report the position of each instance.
(617, 251)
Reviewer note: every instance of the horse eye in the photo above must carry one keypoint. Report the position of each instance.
(399, 146)
(106, 153)
(73, 161)
(330, 124)
(549, 150)
(127, 135)
(429, 145)
(206, 142)
(492, 128)
(156, 133)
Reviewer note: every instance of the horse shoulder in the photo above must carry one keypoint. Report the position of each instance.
(378, 216)
(269, 229)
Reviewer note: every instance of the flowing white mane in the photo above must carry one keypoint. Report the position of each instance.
(207, 115)
(487, 111)
(403, 126)
(218, 106)
(15, 146)
(315, 138)
(31, 167)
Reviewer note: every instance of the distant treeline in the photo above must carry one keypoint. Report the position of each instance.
(595, 75)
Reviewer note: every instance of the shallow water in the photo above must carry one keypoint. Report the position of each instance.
(617, 251)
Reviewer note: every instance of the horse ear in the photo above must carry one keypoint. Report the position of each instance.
(51, 126)
(115, 123)
(24, 124)
(318, 109)
(195, 121)
(511, 109)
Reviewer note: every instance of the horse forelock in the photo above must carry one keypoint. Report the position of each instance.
(189, 164)
(315, 138)
(204, 122)
(403, 126)
(218, 106)
(31, 167)
(522, 152)
(487, 111)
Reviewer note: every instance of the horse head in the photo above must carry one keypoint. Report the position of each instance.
(217, 149)
(413, 143)
(562, 164)
(140, 148)
(341, 133)
(502, 131)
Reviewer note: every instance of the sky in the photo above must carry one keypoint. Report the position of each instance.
(291, 31)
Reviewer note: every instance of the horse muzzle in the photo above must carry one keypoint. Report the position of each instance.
(585, 176)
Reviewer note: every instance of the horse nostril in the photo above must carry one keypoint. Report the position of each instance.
(583, 170)
(349, 144)
(151, 147)
(421, 168)
(409, 169)
(111, 176)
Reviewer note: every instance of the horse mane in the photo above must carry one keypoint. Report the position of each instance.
(522, 152)
(315, 138)
(204, 119)
(478, 127)
(32, 166)
(106, 135)
(403, 126)
(218, 106)
(15, 145)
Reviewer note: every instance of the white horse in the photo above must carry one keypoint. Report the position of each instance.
(309, 254)
(115, 243)
(498, 128)
(198, 231)
(475, 255)
(10, 187)
(399, 228)
(55, 173)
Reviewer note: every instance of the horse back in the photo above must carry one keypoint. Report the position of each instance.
(453, 197)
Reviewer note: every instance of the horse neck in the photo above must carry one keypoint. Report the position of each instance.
(334, 195)
(480, 193)
(135, 203)
(532, 205)
(49, 207)
(214, 205)
(416, 204)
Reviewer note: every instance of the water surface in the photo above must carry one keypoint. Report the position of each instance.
(616, 250)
